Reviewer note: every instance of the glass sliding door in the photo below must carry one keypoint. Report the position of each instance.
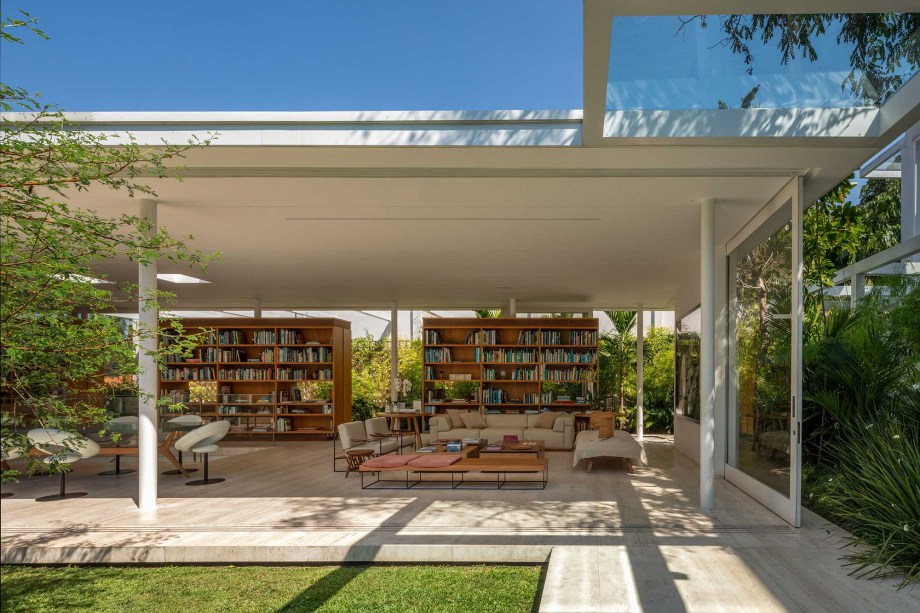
(764, 329)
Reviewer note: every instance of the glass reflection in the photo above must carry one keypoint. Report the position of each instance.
(763, 336)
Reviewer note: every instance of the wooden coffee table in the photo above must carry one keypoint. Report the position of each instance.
(523, 449)
(471, 450)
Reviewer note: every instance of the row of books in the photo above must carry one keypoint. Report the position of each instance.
(432, 337)
(569, 356)
(582, 337)
(527, 337)
(188, 374)
(518, 374)
(567, 374)
(246, 374)
(319, 354)
(290, 337)
(231, 337)
(510, 355)
(494, 395)
(292, 374)
(438, 355)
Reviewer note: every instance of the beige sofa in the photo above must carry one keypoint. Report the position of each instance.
(560, 436)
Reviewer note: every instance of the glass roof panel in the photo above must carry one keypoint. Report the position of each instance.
(759, 61)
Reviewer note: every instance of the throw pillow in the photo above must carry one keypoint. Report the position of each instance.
(454, 416)
(559, 426)
(545, 420)
(474, 421)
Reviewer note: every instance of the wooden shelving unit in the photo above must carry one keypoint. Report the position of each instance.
(508, 365)
(268, 377)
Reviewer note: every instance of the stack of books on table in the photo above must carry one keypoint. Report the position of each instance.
(470, 441)
(492, 447)
(426, 449)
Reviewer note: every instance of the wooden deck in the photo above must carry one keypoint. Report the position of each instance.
(614, 540)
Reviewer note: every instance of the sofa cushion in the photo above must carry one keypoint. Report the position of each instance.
(496, 435)
(550, 438)
(545, 420)
(458, 433)
(474, 421)
(390, 461)
(434, 461)
(559, 424)
(513, 420)
(454, 416)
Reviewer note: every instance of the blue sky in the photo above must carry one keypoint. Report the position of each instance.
(313, 55)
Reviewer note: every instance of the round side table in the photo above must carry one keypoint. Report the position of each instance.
(354, 458)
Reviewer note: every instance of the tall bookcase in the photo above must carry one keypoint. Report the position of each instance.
(509, 365)
(275, 377)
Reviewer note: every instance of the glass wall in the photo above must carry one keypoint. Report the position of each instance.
(761, 299)
(687, 365)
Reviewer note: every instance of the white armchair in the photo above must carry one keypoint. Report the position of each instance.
(62, 447)
(204, 440)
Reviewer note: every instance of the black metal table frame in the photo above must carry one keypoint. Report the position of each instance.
(501, 480)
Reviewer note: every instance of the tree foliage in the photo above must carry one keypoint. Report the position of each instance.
(60, 357)
(882, 44)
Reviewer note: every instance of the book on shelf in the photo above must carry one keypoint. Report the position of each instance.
(432, 337)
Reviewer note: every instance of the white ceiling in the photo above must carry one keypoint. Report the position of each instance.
(447, 227)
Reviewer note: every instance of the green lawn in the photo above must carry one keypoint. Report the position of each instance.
(269, 588)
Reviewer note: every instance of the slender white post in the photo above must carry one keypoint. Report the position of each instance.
(511, 311)
(147, 407)
(707, 352)
(857, 289)
(257, 308)
(910, 185)
(640, 373)
(394, 354)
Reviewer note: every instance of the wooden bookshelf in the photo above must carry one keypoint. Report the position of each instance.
(268, 377)
(509, 365)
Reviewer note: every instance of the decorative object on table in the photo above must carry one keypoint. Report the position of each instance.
(510, 438)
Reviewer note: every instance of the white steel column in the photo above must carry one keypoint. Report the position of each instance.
(857, 289)
(394, 354)
(147, 346)
(797, 312)
(511, 309)
(910, 184)
(707, 352)
(257, 308)
(640, 374)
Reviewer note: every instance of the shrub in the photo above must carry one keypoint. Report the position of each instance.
(874, 495)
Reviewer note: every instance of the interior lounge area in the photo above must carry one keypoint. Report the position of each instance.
(487, 248)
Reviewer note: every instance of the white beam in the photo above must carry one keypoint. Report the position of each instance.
(596, 60)
(865, 266)
(707, 352)
(640, 373)
(147, 381)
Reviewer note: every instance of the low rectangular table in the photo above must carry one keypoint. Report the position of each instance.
(521, 449)
(499, 466)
